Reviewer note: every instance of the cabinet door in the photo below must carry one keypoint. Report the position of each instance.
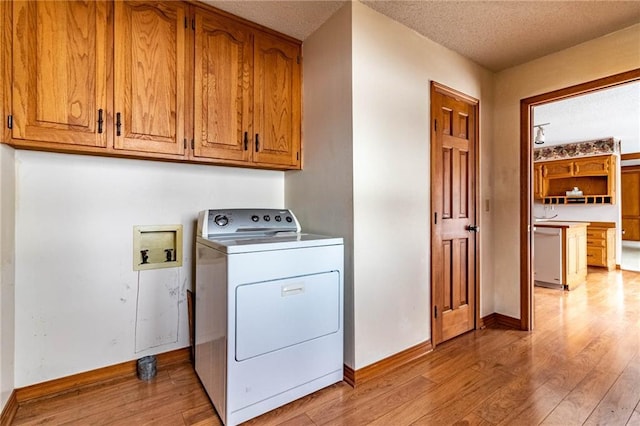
(557, 169)
(223, 82)
(60, 69)
(277, 102)
(150, 59)
(5, 69)
(592, 166)
(538, 182)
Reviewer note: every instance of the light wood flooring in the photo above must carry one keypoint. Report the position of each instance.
(580, 366)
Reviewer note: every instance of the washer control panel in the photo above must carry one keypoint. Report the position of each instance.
(229, 221)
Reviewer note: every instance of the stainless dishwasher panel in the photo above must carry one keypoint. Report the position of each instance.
(547, 265)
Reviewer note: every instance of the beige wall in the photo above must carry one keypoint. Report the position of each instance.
(392, 70)
(7, 272)
(322, 195)
(611, 54)
(366, 170)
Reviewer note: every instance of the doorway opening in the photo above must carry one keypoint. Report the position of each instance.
(526, 182)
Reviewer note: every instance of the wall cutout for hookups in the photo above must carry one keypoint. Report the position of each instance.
(157, 246)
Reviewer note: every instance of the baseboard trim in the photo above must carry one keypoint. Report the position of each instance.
(66, 384)
(9, 410)
(356, 377)
(498, 320)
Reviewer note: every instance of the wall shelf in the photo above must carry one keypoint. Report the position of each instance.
(594, 176)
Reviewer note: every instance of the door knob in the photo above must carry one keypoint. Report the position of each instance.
(473, 228)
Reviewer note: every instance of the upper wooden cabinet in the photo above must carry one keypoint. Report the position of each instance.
(149, 91)
(60, 64)
(223, 73)
(557, 169)
(248, 108)
(594, 176)
(157, 79)
(5, 69)
(277, 101)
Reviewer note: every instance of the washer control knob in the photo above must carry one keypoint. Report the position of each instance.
(255, 218)
(266, 217)
(289, 219)
(278, 218)
(221, 220)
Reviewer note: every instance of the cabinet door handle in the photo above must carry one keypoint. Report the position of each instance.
(100, 121)
(257, 142)
(118, 125)
(246, 140)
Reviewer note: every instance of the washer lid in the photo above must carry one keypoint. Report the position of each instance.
(232, 244)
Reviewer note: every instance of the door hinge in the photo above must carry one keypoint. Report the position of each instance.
(297, 156)
(193, 24)
(10, 121)
(435, 125)
(435, 312)
(192, 144)
(185, 143)
(186, 25)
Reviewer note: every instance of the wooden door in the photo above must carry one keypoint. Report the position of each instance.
(223, 98)
(150, 57)
(454, 280)
(277, 101)
(60, 69)
(631, 203)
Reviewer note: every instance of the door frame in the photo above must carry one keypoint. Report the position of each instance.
(526, 173)
(623, 170)
(475, 106)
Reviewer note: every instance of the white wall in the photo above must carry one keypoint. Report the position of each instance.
(392, 70)
(322, 194)
(76, 293)
(7, 272)
(611, 54)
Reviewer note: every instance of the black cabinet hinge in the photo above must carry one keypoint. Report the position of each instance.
(192, 144)
(297, 156)
(193, 24)
(185, 143)
(435, 125)
(10, 121)
(435, 312)
(186, 25)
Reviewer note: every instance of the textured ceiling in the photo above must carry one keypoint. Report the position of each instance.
(495, 34)
(610, 112)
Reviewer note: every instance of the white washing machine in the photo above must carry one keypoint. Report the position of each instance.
(269, 310)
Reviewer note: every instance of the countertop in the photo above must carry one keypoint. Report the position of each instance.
(559, 224)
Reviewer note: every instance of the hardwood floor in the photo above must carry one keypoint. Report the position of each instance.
(580, 366)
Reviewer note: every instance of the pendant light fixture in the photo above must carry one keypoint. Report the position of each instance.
(539, 139)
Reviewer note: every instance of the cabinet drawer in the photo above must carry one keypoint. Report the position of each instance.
(596, 256)
(596, 233)
(596, 242)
